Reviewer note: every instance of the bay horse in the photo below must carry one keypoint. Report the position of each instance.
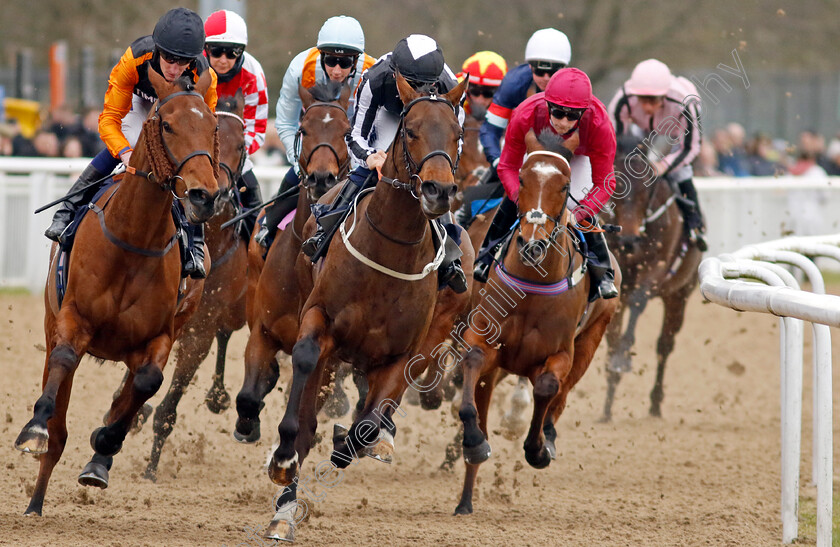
(222, 309)
(535, 319)
(274, 295)
(122, 297)
(658, 261)
(372, 298)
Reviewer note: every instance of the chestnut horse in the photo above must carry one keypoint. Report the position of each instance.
(222, 309)
(535, 320)
(373, 296)
(657, 259)
(122, 299)
(273, 285)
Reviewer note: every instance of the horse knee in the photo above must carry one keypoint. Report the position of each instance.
(546, 386)
(63, 356)
(305, 355)
(147, 380)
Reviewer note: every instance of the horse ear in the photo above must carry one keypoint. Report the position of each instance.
(240, 102)
(458, 91)
(162, 87)
(344, 98)
(532, 142)
(407, 93)
(305, 96)
(204, 82)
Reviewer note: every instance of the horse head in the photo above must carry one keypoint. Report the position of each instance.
(182, 141)
(323, 157)
(429, 136)
(634, 192)
(545, 181)
(232, 150)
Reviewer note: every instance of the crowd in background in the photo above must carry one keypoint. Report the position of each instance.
(725, 152)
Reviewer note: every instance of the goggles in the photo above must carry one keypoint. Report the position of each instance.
(342, 61)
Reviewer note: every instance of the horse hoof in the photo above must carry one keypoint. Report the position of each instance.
(655, 412)
(94, 474)
(247, 438)
(150, 474)
(411, 397)
(101, 445)
(33, 439)
(605, 419)
(540, 460)
(431, 400)
(141, 417)
(383, 450)
(337, 405)
(464, 508)
(282, 526)
(283, 473)
(477, 454)
(552, 450)
(513, 427)
(217, 400)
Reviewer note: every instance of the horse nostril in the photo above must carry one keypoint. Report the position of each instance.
(200, 197)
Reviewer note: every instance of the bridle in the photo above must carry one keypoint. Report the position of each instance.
(538, 216)
(412, 166)
(171, 180)
(652, 215)
(233, 175)
(343, 166)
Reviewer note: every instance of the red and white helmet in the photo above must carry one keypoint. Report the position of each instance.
(649, 78)
(569, 87)
(225, 27)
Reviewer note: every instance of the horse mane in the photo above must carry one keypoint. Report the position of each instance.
(185, 82)
(226, 104)
(327, 92)
(553, 142)
(625, 144)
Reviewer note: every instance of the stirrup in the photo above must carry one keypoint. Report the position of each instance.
(454, 277)
(56, 230)
(607, 289)
(481, 271)
(262, 237)
(696, 237)
(311, 245)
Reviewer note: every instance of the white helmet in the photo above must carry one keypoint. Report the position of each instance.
(341, 35)
(225, 27)
(649, 78)
(548, 44)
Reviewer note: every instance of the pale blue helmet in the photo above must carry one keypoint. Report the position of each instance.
(341, 35)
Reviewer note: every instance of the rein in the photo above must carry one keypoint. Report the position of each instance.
(233, 175)
(343, 166)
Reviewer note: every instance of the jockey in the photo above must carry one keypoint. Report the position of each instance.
(486, 70)
(650, 99)
(378, 110)
(567, 108)
(224, 46)
(547, 51)
(173, 50)
(338, 56)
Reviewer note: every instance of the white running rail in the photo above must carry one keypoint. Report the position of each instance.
(722, 282)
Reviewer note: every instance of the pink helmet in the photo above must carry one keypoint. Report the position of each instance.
(569, 87)
(650, 78)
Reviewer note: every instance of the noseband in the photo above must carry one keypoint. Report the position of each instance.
(413, 166)
(538, 216)
(343, 166)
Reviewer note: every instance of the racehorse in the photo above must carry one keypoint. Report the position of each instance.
(374, 294)
(533, 318)
(222, 309)
(122, 296)
(274, 322)
(657, 260)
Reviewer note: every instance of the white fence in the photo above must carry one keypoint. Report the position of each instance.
(738, 211)
(721, 282)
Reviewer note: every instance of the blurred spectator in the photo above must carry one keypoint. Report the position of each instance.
(72, 147)
(811, 147)
(46, 144)
(21, 146)
(7, 133)
(89, 133)
(63, 123)
(707, 161)
(762, 158)
(832, 155)
(732, 156)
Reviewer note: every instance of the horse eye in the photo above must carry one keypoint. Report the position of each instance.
(303, 132)
(167, 127)
(410, 134)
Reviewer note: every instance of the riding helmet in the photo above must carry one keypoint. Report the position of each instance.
(180, 32)
(650, 78)
(341, 35)
(569, 87)
(226, 27)
(418, 58)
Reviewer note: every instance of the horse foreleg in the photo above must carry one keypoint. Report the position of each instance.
(337, 404)
(619, 354)
(514, 422)
(671, 324)
(261, 373)
(313, 345)
(145, 380)
(478, 361)
(360, 380)
(217, 398)
(547, 384)
(289, 511)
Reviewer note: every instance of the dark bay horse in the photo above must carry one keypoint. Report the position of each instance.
(274, 296)
(122, 297)
(373, 296)
(222, 309)
(533, 319)
(657, 261)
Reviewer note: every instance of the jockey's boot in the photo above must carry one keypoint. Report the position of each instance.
(194, 257)
(275, 212)
(64, 215)
(602, 272)
(692, 215)
(450, 272)
(336, 212)
(250, 198)
(504, 219)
